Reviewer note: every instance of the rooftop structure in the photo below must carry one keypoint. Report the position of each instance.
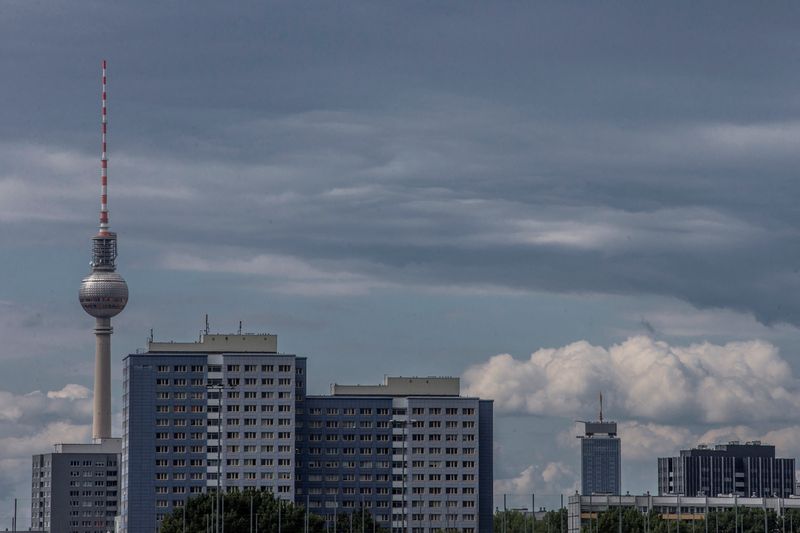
(402, 386)
(221, 343)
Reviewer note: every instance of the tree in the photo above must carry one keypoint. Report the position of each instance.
(517, 522)
(344, 522)
(237, 514)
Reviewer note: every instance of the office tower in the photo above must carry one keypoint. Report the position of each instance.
(231, 413)
(601, 461)
(749, 469)
(75, 489)
(412, 451)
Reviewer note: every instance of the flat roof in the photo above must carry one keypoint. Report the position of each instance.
(220, 343)
(403, 386)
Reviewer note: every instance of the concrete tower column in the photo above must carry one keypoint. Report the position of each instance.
(101, 419)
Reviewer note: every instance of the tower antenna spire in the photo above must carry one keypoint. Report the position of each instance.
(104, 158)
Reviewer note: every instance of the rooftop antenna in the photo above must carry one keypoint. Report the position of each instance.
(206, 323)
(240, 327)
(601, 407)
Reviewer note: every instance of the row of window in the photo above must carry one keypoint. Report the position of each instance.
(229, 368)
(102, 463)
(397, 411)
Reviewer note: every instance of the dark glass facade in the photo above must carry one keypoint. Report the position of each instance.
(749, 469)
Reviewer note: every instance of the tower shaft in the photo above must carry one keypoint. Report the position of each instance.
(101, 418)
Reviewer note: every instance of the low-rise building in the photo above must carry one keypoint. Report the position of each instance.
(75, 489)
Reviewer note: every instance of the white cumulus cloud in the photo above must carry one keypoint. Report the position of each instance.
(646, 380)
(553, 477)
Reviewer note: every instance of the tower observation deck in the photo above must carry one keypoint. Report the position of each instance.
(103, 293)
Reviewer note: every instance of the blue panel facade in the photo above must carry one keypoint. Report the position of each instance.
(164, 436)
(344, 461)
(600, 465)
(195, 421)
(486, 471)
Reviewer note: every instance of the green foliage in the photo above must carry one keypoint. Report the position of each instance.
(344, 521)
(518, 522)
(237, 514)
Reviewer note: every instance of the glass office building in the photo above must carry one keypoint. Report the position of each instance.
(601, 463)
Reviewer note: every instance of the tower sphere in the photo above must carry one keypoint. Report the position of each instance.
(103, 294)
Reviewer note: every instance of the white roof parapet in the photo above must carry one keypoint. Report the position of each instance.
(221, 343)
(112, 445)
(403, 386)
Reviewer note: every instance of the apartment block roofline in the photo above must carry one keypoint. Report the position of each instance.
(220, 343)
(403, 386)
(109, 445)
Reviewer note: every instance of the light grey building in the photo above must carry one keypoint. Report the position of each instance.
(601, 458)
(75, 489)
(583, 511)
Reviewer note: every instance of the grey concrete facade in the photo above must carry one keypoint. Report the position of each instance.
(75, 489)
(583, 511)
(194, 422)
(416, 455)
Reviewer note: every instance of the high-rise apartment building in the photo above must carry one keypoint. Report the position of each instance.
(749, 469)
(601, 457)
(75, 489)
(230, 412)
(412, 451)
(198, 416)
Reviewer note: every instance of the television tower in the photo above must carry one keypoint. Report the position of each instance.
(103, 294)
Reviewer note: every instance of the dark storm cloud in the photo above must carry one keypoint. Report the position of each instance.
(627, 150)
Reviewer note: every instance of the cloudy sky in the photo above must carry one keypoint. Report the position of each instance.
(548, 199)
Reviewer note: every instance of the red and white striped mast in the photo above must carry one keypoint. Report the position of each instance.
(104, 160)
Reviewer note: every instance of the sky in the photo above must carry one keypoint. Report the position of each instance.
(547, 199)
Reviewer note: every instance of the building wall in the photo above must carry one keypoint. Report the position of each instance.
(600, 465)
(582, 511)
(713, 472)
(182, 435)
(74, 492)
(414, 463)
(345, 456)
(419, 462)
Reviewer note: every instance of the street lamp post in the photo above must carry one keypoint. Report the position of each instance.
(219, 497)
(218, 388)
